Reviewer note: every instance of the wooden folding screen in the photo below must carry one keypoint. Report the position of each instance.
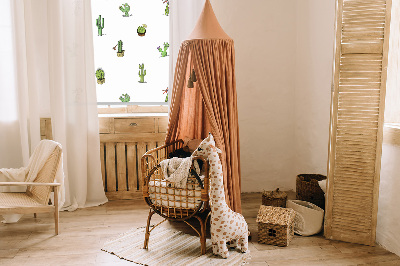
(358, 96)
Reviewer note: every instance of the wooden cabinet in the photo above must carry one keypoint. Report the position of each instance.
(123, 141)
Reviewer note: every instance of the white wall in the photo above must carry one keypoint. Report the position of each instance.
(388, 227)
(314, 60)
(284, 52)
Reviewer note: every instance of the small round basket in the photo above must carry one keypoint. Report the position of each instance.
(308, 189)
(274, 198)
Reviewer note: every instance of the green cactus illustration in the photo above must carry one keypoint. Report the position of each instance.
(125, 8)
(120, 52)
(141, 30)
(125, 98)
(163, 52)
(142, 73)
(120, 43)
(166, 96)
(100, 76)
(166, 12)
(100, 25)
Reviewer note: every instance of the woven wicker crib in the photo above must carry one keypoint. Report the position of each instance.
(170, 202)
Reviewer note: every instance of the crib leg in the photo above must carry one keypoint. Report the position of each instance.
(147, 235)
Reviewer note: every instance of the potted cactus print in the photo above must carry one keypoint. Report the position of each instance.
(141, 30)
(120, 52)
(166, 96)
(125, 98)
(100, 25)
(166, 11)
(125, 8)
(100, 76)
(142, 73)
(163, 52)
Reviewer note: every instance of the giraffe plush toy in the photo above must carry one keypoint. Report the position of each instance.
(226, 225)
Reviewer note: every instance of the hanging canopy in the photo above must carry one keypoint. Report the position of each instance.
(211, 105)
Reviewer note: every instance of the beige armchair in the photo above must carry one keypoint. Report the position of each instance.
(36, 197)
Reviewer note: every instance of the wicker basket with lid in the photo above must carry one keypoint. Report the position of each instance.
(274, 198)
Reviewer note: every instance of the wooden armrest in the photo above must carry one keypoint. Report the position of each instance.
(29, 184)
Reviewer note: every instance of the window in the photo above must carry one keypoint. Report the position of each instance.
(131, 50)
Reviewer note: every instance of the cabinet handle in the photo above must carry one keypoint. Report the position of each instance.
(133, 124)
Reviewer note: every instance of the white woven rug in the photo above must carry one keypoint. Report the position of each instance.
(168, 247)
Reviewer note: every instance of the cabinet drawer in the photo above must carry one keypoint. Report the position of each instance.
(162, 124)
(134, 125)
(106, 125)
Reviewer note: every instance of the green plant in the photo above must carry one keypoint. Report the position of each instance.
(142, 73)
(166, 96)
(100, 74)
(142, 29)
(100, 25)
(120, 43)
(125, 98)
(125, 8)
(167, 10)
(163, 52)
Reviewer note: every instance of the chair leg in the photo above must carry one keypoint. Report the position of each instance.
(203, 232)
(147, 235)
(34, 215)
(56, 212)
(203, 236)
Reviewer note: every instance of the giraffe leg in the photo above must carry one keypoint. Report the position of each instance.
(243, 243)
(222, 249)
(215, 248)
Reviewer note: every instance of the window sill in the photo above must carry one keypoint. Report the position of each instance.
(133, 114)
(133, 110)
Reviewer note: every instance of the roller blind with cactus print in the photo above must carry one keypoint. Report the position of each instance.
(131, 50)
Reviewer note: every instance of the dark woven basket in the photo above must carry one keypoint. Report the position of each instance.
(274, 198)
(308, 189)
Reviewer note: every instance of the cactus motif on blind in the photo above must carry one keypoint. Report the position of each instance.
(125, 98)
(142, 73)
(163, 51)
(100, 76)
(125, 8)
(100, 25)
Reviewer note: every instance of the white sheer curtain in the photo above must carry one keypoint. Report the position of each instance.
(183, 18)
(54, 69)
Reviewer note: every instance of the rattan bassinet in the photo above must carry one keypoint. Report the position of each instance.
(169, 201)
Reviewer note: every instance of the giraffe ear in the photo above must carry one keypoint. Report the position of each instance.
(216, 149)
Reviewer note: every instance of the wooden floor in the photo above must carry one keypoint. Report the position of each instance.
(82, 233)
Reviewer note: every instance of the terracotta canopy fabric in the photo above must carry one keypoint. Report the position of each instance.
(211, 106)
